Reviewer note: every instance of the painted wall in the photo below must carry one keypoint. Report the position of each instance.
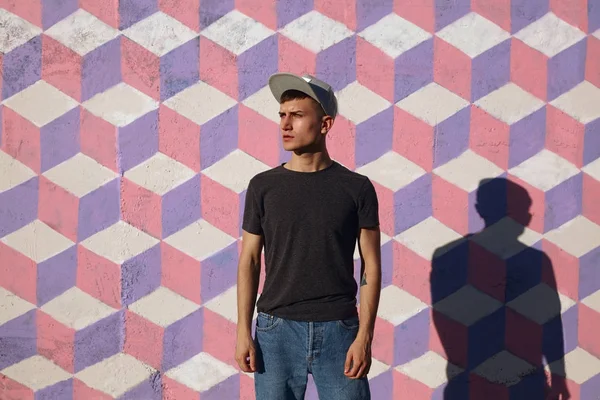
(129, 131)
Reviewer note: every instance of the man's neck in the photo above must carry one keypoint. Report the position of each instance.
(309, 162)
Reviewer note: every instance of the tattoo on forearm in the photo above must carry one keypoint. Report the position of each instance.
(363, 282)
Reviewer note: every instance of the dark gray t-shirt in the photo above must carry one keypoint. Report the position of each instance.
(310, 222)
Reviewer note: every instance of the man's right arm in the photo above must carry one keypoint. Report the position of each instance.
(247, 289)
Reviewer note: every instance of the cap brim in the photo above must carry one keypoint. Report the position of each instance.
(280, 82)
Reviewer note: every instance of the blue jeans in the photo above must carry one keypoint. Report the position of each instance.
(287, 351)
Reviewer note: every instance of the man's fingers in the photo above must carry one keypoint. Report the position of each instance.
(252, 360)
(355, 368)
(348, 362)
(243, 362)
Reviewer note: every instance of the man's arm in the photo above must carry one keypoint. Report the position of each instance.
(247, 288)
(370, 284)
(359, 355)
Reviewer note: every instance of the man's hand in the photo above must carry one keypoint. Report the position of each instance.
(358, 359)
(245, 353)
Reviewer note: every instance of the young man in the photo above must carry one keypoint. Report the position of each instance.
(309, 214)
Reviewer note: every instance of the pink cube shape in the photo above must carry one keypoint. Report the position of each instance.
(383, 341)
(180, 273)
(185, 11)
(106, 11)
(481, 388)
(410, 271)
(98, 277)
(55, 341)
(259, 136)
(489, 137)
(83, 392)
(143, 339)
(140, 68)
(343, 11)
(179, 138)
(497, 11)
(21, 139)
(218, 67)
(295, 58)
(61, 67)
(220, 206)
(173, 390)
(219, 337)
(141, 208)
(385, 197)
(413, 139)
(587, 332)
(29, 10)
(573, 12)
(452, 68)
(564, 135)
(374, 69)
(537, 208)
(592, 61)
(419, 12)
(524, 338)
(263, 11)
(591, 199)
(18, 273)
(406, 387)
(449, 203)
(11, 389)
(247, 391)
(99, 140)
(487, 272)
(529, 69)
(449, 339)
(342, 142)
(563, 272)
(58, 208)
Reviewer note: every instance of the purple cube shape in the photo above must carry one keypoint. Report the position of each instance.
(219, 272)
(413, 70)
(101, 69)
(140, 275)
(58, 391)
(138, 141)
(56, 274)
(411, 338)
(19, 206)
(255, 65)
(182, 340)
(98, 341)
(490, 70)
(59, 139)
(18, 339)
(181, 206)
(336, 65)
(374, 137)
(99, 209)
(412, 204)
(563, 202)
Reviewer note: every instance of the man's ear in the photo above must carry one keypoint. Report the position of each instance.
(326, 124)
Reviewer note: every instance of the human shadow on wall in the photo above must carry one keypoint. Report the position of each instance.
(496, 309)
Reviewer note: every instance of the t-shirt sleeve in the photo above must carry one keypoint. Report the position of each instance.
(252, 212)
(368, 206)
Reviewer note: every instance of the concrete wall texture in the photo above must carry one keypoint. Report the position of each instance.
(130, 130)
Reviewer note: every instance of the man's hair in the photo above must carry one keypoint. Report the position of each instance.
(298, 95)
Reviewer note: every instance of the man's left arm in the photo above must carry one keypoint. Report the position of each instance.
(358, 359)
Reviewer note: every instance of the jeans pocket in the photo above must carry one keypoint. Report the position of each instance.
(265, 322)
(349, 323)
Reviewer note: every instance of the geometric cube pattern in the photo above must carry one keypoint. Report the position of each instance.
(129, 131)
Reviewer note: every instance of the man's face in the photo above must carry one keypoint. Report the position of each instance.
(302, 125)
